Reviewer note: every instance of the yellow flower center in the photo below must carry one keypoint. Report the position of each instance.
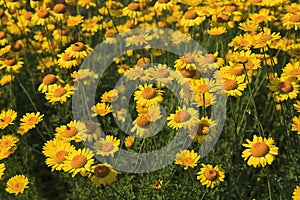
(78, 161)
(59, 92)
(78, 46)
(149, 93)
(142, 121)
(49, 79)
(107, 147)
(285, 87)
(182, 116)
(59, 8)
(60, 156)
(188, 73)
(5, 120)
(101, 171)
(43, 13)
(10, 61)
(187, 161)
(18, 186)
(143, 62)
(69, 131)
(32, 120)
(134, 7)
(211, 174)
(295, 18)
(190, 14)
(259, 149)
(230, 84)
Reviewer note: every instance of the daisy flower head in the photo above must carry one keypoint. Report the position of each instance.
(101, 109)
(291, 71)
(216, 31)
(7, 145)
(59, 94)
(11, 64)
(284, 89)
(234, 86)
(66, 61)
(161, 5)
(78, 50)
(157, 184)
(85, 76)
(86, 3)
(129, 141)
(71, 131)
(103, 174)
(204, 126)
(296, 124)
(260, 152)
(136, 73)
(7, 117)
(17, 184)
(138, 40)
(185, 117)
(48, 80)
(161, 73)
(148, 96)
(133, 10)
(2, 169)
(297, 106)
(296, 193)
(30, 120)
(90, 130)
(43, 16)
(56, 152)
(107, 146)
(110, 96)
(187, 158)
(210, 176)
(74, 20)
(291, 21)
(6, 79)
(79, 161)
(191, 18)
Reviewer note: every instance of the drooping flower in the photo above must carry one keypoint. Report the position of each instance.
(103, 174)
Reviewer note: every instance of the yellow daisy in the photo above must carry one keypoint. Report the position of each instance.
(210, 176)
(148, 96)
(296, 193)
(186, 118)
(103, 174)
(2, 169)
(6, 79)
(66, 61)
(129, 141)
(17, 184)
(216, 31)
(59, 94)
(133, 10)
(234, 86)
(205, 124)
(7, 118)
(79, 50)
(261, 151)
(110, 96)
(283, 89)
(191, 18)
(30, 120)
(161, 5)
(43, 16)
(187, 159)
(101, 109)
(296, 124)
(157, 184)
(11, 64)
(108, 146)
(297, 106)
(48, 80)
(291, 71)
(74, 20)
(79, 161)
(71, 131)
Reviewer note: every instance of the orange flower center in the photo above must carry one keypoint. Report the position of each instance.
(32, 120)
(230, 8)
(244, 43)
(142, 121)
(230, 84)
(59, 92)
(161, 24)
(163, 73)
(259, 19)
(149, 93)
(69, 131)
(249, 65)
(285, 87)
(200, 130)
(295, 72)
(187, 59)
(1, 12)
(235, 70)
(59, 8)
(259, 149)
(134, 7)
(90, 126)
(27, 15)
(2, 34)
(295, 18)
(10, 61)
(5, 120)
(188, 73)
(209, 58)
(202, 89)
(49, 79)
(107, 147)
(211, 174)
(43, 13)
(18, 186)
(16, 46)
(187, 161)
(78, 161)
(190, 14)
(223, 18)
(101, 171)
(143, 62)
(60, 156)
(163, 1)
(182, 116)
(78, 46)
(265, 37)
(109, 33)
